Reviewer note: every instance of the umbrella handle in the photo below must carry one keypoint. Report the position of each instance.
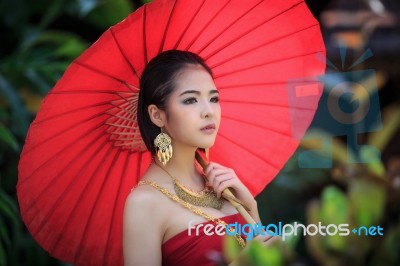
(227, 194)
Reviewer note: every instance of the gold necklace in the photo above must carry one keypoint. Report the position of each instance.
(197, 211)
(205, 198)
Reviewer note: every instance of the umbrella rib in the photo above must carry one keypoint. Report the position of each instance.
(126, 120)
(103, 73)
(79, 199)
(122, 107)
(205, 27)
(167, 27)
(259, 46)
(259, 126)
(121, 117)
(123, 54)
(249, 31)
(124, 134)
(144, 34)
(66, 113)
(250, 152)
(40, 227)
(234, 21)
(125, 144)
(66, 131)
(188, 25)
(117, 125)
(267, 63)
(114, 216)
(127, 116)
(240, 86)
(77, 91)
(60, 152)
(70, 112)
(90, 217)
(84, 107)
(270, 104)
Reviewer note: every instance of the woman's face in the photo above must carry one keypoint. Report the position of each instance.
(193, 108)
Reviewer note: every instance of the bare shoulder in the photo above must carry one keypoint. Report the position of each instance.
(143, 226)
(149, 202)
(144, 199)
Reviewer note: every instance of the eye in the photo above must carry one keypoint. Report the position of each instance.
(190, 101)
(215, 99)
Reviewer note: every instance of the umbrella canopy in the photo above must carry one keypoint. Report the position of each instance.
(83, 152)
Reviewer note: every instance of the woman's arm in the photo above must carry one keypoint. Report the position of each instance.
(142, 230)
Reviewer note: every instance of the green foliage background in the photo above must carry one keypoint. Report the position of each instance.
(40, 39)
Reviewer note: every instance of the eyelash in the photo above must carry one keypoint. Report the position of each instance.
(191, 100)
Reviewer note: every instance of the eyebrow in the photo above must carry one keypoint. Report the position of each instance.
(197, 92)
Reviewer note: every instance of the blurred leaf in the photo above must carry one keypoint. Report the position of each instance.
(335, 211)
(53, 9)
(32, 100)
(68, 45)
(390, 125)
(326, 145)
(3, 258)
(367, 201)
(7, 137)
(231, 248)
(19, 113)
(70, 49)
(86, 6)
(110, 12)
(373, 156)
(3, 232)
(33, 76)
(292, 239)
(258, 255)
(314, 243)
(3, 113)
(8, 207)
(391, 245)
(334, 206)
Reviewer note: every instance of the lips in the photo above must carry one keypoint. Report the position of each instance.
(209, 127)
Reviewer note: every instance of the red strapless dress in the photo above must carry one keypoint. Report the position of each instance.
(183, 250)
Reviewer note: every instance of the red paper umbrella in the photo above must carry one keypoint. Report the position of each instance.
(84, 153)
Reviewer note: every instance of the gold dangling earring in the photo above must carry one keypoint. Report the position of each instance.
(163, 147)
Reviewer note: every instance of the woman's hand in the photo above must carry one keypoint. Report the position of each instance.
(221, 177)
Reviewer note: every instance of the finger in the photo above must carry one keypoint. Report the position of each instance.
(223, 185)
(208, 168)
(210, 175)
(263, 237)
(215, 174)
(213, 165)
(271, 240)
(268, 238)
(219, 179)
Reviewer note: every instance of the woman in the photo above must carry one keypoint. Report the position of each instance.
(178, 98)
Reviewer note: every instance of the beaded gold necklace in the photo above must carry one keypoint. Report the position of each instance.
(197, 211)
(204, 198)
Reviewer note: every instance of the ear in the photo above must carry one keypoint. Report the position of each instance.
(156, 115)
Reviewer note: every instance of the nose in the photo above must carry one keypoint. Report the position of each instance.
(207, 110)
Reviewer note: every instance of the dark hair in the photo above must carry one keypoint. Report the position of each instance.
(156, 85)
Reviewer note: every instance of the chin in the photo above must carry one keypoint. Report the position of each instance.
(206, 145)
(205, 142)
